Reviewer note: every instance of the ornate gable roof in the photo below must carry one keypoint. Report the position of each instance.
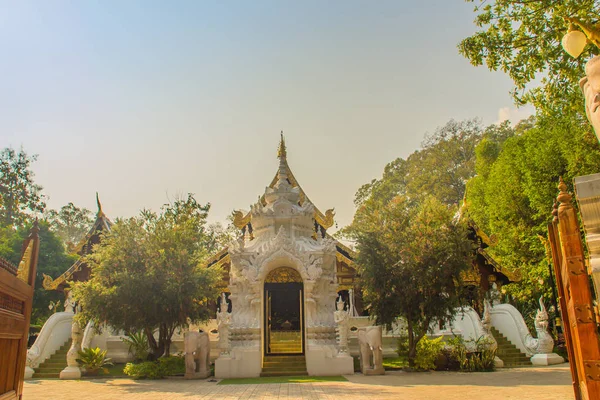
(79, 270)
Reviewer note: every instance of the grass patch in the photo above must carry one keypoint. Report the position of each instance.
(282, 379)
(397, 363)
(114, 370)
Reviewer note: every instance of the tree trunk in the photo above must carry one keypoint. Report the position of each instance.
(156, 349)
(412, 346)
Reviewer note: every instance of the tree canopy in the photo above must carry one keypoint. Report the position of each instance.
(70, 223)
(53, 261)
(410, 257)
(147, 273)
(523, 39)
(20, 197)
(511, 197)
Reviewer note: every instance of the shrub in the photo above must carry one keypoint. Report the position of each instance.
(428, 351)
(481, 359)
(402, 348)
(138, 345)
(144, 370)
(164, 366)
(172, 365)
(93, 359)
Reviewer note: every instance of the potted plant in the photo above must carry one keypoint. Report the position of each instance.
(94, 360)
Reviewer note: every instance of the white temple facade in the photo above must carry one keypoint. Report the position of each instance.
(283, 288)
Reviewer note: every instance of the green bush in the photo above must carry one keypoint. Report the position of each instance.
(428, 351)
(93, 359)
(482, 359)
(402, 348)
(144, 370)
(138, 345)
(164, 366)
(172, 365)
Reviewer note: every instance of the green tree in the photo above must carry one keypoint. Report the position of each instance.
(19, 195)
(147, 274)
(53, 261)
(70, 223)
(511, 197)
(410, 257)
(523, 39)
(440, 169)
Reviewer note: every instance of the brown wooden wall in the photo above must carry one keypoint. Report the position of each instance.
(16, 295)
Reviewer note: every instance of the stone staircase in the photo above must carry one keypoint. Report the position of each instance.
(286, 342)
(508, 352)
(54, 364)
(284, 366)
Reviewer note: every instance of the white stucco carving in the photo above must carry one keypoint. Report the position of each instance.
(55, 333)
(73, 371)
(283, 235)
(509, 322)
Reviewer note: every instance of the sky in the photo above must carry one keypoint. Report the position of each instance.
(146, 101)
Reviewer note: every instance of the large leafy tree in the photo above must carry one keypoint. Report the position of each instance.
(19, 195)
(511, 197)
(147, 274)
(523, 39)
(53, 261)
(70, 223)
(410, 257)
(440, 169)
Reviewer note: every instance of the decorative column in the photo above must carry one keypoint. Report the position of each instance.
(73, 371)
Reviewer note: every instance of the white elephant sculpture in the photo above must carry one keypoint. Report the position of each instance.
(371, 351)
(197, 355)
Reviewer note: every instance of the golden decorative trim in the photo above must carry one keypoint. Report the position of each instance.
(24, 265)
(240, 220)
(326, 221)
(283, 275)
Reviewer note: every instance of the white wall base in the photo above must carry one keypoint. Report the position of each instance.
(28, 372)
(324, 361)
(70, 373)
(241, 363)
(547, 359)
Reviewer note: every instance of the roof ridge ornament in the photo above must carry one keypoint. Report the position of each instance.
(282, 152)
(100, 212)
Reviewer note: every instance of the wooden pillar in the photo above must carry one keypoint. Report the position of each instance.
(576, 300)
(557, 262)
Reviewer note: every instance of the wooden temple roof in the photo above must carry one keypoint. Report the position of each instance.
(79, 269)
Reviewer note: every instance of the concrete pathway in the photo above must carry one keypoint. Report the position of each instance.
(548, 383)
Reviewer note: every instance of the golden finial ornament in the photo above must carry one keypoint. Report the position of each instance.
(563, 197)
(281, 152)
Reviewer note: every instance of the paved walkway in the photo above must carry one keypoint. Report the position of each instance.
(548, 383)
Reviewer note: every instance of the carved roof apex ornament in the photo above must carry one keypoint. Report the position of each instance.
(564, 197)
(282, 152)
(100, 212)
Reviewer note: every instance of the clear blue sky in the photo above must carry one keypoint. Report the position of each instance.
(146, 100)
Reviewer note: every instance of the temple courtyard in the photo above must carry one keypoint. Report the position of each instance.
(552, 382)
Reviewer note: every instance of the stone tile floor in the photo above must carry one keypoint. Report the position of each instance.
(530, 383)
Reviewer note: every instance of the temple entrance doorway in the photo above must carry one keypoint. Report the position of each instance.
(284, 312)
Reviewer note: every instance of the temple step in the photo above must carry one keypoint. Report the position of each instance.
(508, 352)
(54, 364)
(284, 366)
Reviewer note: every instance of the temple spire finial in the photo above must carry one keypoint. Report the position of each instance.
(282, 152)
(100, 212)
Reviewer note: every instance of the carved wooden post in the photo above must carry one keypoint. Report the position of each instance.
(566, 326)
(577, 312)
